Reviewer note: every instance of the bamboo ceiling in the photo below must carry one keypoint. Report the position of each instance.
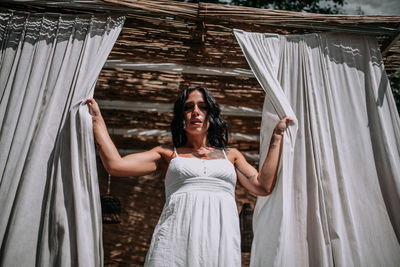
(201, 34)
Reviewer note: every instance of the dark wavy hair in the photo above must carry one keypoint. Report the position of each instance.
(217, 134)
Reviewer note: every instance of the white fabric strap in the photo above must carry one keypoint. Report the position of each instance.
(176, 152)
(223, 151)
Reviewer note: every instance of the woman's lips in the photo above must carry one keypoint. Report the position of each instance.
(196, 122)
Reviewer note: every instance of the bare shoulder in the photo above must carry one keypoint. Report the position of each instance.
(233, 153)
(165, 151)
(231, 150)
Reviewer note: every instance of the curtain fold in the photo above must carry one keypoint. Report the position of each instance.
(261, 53)
(49, 198)
(335, 200)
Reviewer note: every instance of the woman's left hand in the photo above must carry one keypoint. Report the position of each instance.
(282, 125)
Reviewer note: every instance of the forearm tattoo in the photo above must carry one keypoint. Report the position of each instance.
(245, 174)
(275, 142)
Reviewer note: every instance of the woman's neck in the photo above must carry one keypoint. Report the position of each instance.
(196, 141)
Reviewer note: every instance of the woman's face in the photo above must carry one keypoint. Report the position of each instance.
(195, 113)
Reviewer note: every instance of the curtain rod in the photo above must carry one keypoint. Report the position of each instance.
(87, 6)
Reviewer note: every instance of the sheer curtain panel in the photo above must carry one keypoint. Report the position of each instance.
(337, 195)
(49, 197)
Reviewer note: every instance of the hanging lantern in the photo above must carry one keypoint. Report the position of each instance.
(246, 227)
(110, 206)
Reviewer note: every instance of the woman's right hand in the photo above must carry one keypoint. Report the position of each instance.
(94, 108)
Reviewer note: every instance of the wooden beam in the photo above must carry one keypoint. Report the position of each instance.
(156, 132)
(172, 67)
(168, 107)
(390, 42)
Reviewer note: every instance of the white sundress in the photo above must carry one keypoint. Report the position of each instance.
(199, 224)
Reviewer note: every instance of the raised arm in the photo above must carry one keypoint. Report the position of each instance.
(262, 183)
(131, 165)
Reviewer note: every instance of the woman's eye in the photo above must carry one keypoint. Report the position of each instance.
(187, 107)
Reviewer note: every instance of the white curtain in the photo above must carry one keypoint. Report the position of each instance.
(50, 211)
(337, 197)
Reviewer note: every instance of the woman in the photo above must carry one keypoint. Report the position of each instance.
(199, 223)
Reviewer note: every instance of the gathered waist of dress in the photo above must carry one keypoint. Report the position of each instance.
(200, 184)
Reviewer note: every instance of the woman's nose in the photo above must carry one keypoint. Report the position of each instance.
(196, 110)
